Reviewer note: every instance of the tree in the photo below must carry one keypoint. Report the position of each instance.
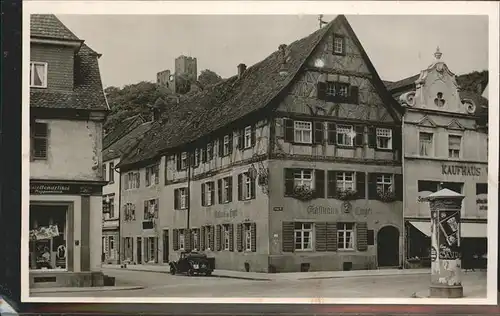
(208, 77)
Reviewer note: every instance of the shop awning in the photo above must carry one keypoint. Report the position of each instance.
(474, 230)
(424, 227)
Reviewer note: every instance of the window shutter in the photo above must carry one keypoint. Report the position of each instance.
(203, 153)
(289, 130)
(362, 236)
(138, 176)
(332, 184)
(146, 213)
(239, 237)
(240, 187)
(398, 186)
(231, 237)
(253, 135)
(287, 237)
(321, 87)
(360, 184)
(241, 141)
(178, 159)
(230, 188)
(332, 133)
(372, 186)
(253, 232)
(331, 236)
(360, 135)
(319, 132)
(175, 239)
(176, 199)
(231, 143)
(396, 139)
(219, 190)
(221, 146)
(354, 95)
(188, 240)
(190, 156)
(212, 237)
(202, 238)
(203, 199)
(157, 174)
(212, 193)
(157, 206)
(319, 183)
(218, 237)
(372, 137)
(289, 181)
(252, 188)
(320, 238)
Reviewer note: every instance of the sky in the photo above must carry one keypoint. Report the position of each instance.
(134, 47)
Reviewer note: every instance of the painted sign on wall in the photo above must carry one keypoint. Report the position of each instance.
(461, 170)
(346, 209)
(226, 214)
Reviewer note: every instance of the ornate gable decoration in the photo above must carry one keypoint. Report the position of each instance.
(427, 122)
(455, 125)
(436, 89)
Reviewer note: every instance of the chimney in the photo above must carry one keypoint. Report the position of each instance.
(241, 69)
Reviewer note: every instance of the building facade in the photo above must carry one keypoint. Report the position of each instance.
(445, 146)
(67, 107)
(305, 176)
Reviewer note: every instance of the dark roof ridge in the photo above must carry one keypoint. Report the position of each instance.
(43, 30)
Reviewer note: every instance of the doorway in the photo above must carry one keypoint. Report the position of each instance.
(388, 247)
(139, 250)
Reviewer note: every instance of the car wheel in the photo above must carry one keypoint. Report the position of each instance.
(190, 272)
(208, 273)
(172, 271)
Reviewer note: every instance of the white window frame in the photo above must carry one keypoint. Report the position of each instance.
(111, 240)
(182, 198)
(32, 74)
(348, 132)
(132, 180)
(382, 134)
(336, 45)
(454, 150)
(209, 187)
(247, 186)
(247, 237)
(210, 152)
(225, 150)
(226, 237)
(111, 171)
(184, 160)
(384, 180)
(225, 189)
(302, 132)
(208, 237)
(302, 233)
(431, 146)
(300, 178)
(342, 232)
(342, 181)
(248, 137)
(196, 239)
(182, 240)
(197, 156)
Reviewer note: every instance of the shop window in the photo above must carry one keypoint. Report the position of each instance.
(303, 233)
(481, 188)
(111, 178)
(48, 237)
(454, 146)
(426, 144)
(345, 236)
(453, 186)
(384, 138)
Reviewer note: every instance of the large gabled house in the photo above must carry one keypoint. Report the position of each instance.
(293, 164)
(67, 111)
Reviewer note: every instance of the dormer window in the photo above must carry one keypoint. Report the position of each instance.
(38, 74)
(338, 45)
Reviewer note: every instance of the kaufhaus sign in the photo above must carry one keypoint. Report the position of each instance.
(460, 170)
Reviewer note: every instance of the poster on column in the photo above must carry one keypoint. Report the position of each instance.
(449, 234)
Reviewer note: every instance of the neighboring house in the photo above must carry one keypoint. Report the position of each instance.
(292, 165)
(67, 111)
(124, 136)
(445, 146)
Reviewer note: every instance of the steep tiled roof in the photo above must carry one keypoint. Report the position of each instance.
(233, 99)
(49, 26)
(127, 142)
(122, 129)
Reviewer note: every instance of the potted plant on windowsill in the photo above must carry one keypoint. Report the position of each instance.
(387, 196)
(303, 193)
(346, 194)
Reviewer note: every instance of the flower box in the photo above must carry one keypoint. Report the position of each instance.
(303, 193)
(387, 196)
(347, 194)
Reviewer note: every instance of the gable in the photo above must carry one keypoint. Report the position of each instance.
(455, 125)
(427, 122)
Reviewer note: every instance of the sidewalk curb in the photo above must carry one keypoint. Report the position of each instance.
(86, 289)
(364, 275)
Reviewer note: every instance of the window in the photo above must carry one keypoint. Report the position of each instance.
(370, 238)
(247, 237)
(481, 188)
(384, 138)
(225, 151)
(208, 237)
(226, 190)
(104, 173)
(183, 160)
(345, 135)
(129, 212)
(303, 132)
(197, 157)
(345, 236)
(384, 183)
(303, 178)
(209, 188)
(195, 238)
(454, 145)
(337, 89)
(152, 175)
(338, 45)
(303, 236)
(453, 186)
(246, 187)
(345, 180)
(111, 172)
(132, 180)
(181, 239)
(38, 75)
(150, 209)
(248, 137)
(425, 140)
(40, 140)
(210, 152)
(180, 198)
(226, 239)
(111, 242)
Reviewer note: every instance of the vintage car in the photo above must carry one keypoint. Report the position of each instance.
(193, 263)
